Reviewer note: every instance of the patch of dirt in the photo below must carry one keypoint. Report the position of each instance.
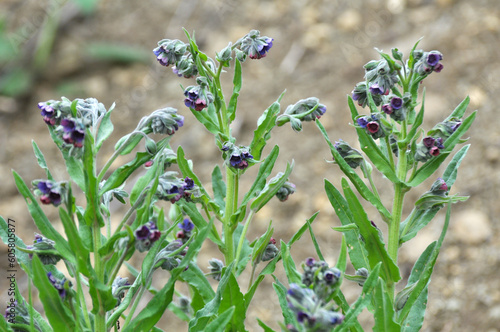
(319, 50)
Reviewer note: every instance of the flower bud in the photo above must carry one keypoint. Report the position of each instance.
(286, 190)
(352, 156)
(185, 67)
(215, 267)
(372, 125)
(118, 288)
(164, 121)
(197, 97)
(62, 285)
(151, 146)
(224, 56)
(270, 252)
(45, 250)
(359, 94)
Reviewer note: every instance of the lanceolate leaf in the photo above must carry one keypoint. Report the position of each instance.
(58, 314)
(271, 189)
(105, 128)
(121, 174)
(218, 187)
(41, 160)
(231, 296)
(76, 244)
(384, 309)
(237, 81)
(374, 245)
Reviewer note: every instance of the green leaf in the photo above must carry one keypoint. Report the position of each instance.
(237, 81)
(371, 149)
(197, 280)
(372, 237)
(57, 313)
(459, 111)
(264, 326)
(101, 295)
(105, 128)
(415, 319)
(428, 168)
(4, 326)
(423, 269)
(260, 246)
(363, 300)
(271, 188)
(41, 160)
(384, 310)
(211, 308)
(358, 183)
(218, 187)
(260, 180)
(450, 174)
(41, 220)
(76, 244)
(122, 173)
(281, 290)
(356, 250)
(265, 123)
(231, 296)
(208, 118)
(315, 243)
(221, 322)
(411, 59)
(294, 277)
(75, 171)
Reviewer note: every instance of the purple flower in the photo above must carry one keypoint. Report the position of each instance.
(375, 89)
(433, 58)
(429, 141)
(372, 127)
(49, 192)
(387, 109)
(396, 103)
(48, 113)
(58, 284)
(262, 49)
(186, 225)
(146, 235)
(362, 122)
(169, 51)
(189, 184)
(255, 46)
(434, 151)
(197, 98)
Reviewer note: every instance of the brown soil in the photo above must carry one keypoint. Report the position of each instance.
(319, 50)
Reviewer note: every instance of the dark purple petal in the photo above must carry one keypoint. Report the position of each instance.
(362, 122)
(44, 186)
(438, 67)
(434, 151)
(142, 233)
(428, 141)
(387, 109)
(433, 59)
(186, 225)
(68, 125)
(396, 103)
(372, 127)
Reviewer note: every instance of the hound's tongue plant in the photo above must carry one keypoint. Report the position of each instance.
(171, 213)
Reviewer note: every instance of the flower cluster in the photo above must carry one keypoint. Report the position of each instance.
(169, 51)
(286, 190)
(55, 110)
(198, 96)
(185, 67)
(308, 109)
(61, 285)
(237, 156)
(372, 124)
(50, 192)
(427, 62)
(396, 107)
(164, 121)
(45, 250)
(310, 311)
(320, 278)
(172, 255)
(255, 46)
(186, 227)
(380, 76)
(359, 94)
(171, 188)
(352, 156)
(146, 235)
(434, 198)
(429, 147)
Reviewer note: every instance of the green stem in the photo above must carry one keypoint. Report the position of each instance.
(100, 317)
(243, 236)
(137, 299)
(81, 297)
(227, 227)
(117, 267)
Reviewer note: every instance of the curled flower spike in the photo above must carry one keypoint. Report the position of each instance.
(171, 256)
(352, 156)
(429, 147)
(380, 76)
(185, 67)
(286, 190)
(50, 192)
(308, 109)
(171, 188)
(145, 236)
(255, 46)
(169, 51)
(238, 157)
(45, 250)
(53, 111)
(359, 94)
(164, 121)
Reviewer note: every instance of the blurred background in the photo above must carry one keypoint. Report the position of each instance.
(102, 49)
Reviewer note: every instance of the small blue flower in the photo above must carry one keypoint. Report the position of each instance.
(186, 225)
